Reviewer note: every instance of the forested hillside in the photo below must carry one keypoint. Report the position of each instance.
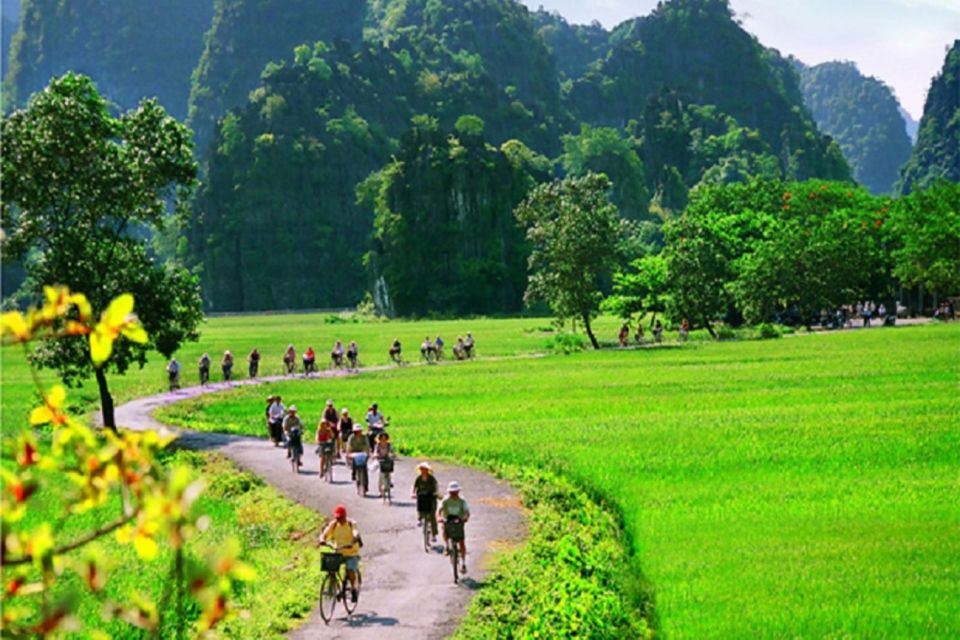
(937, 152)
(247, 34)
(132, 49)
(863, 116)
(9, 23)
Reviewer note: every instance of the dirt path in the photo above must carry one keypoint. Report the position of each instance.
(407, 593)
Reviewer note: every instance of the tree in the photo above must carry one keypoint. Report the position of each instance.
(924, 229)
(80, 188)
(605, 150)
(573, 229)
(638, 290)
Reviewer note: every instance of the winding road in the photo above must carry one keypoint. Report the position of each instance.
(407, 593)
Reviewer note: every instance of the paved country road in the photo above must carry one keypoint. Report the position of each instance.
(407, 593)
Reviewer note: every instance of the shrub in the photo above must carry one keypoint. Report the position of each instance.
(567, 343)
(726, 333)
(767, 331)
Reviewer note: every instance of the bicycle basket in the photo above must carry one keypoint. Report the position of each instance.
(359, 459)
(386, 465)
(454, 529)
(331, 561)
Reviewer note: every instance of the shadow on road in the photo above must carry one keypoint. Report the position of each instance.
(370, 619)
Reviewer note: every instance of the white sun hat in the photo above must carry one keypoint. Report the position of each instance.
(453, 487)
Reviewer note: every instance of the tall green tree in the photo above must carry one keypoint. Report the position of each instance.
(574, 230)
(608, 151)
(80, 185)
(924, 230)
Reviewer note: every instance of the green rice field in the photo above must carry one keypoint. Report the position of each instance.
(802, 487)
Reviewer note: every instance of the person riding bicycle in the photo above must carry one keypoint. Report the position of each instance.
(326, 444)
(458, 349)
(427, 492)
(289, 359)
(357, 444)
(295, 436)
(657, 332)
(173, 372)
(684, 330)
(336, 356)
(455, 507)
(468, 345)
(330, 415)
(346, 538)
(203, 364)
(275, 414)
(309, 360)
(291, 422)
(438, 348)
(427, 349)
(395, 351)
(375, 424)
(226, 365)
(638, 335)
(353, 353)
(382, 451)
(624, 334)
(253, 363)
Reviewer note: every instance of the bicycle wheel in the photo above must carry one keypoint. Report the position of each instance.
(426, 534)
(295, 462)
(348, 602)
(454, 560)
(329, 591)
(328, 472)
(385, 487)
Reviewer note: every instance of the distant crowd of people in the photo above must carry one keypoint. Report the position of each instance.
(623, 337)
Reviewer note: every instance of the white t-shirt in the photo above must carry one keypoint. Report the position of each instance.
(276, 411)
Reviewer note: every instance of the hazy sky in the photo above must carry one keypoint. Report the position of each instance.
(902, 42)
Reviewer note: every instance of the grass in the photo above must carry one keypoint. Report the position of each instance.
(803, 487)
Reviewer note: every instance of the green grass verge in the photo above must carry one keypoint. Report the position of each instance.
(798, 487)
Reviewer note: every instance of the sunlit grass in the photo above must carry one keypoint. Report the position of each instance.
(801, 487)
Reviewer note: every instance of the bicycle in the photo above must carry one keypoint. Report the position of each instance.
(309, 366)
(289, 365)
(336, 585)
(453, 530)
(204, 376)
(326, 461)
(227, 373)
(360, 466)
(386, 472)
(354, 362)
(253, 369)
(425, 505)
(295, 456)
(174, 381)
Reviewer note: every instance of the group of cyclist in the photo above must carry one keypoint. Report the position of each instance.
(432, 350)
(339, 356)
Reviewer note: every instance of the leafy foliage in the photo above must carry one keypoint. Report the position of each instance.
(444, 231)
(937, 152)
(862, 115)
(924, 229)
(133, 50)
(78, 183)
(573, 229)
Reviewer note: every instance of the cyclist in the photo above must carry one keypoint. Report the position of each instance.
(173, 372)
(684, 330)
(375, 424)
(289, 359)
(226, 365)
(353, 353)
(275, 413)
(204, 365)
(330, 415)
(295, 437)
(357, 444)
(658, 332)
(395, 350)
(309, 360)
(383, 450)
(336, 356)
(624, 334)
(291, 422)
(346, 539)
(454, 506)
(427, 349)
(638, 336)
(426, 491)
(253, 361)
(438, 348)
(459, 350)
(326, 445)
(468, 345)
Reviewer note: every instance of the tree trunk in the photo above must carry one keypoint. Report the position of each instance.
(653, 319)
(706, 323)
(106, 401)
(593, 338)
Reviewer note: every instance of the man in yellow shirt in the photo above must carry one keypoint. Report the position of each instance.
(346, 538)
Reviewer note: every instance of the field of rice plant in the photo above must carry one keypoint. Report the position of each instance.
(802, 487)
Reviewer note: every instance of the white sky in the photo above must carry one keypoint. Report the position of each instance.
(902, 42)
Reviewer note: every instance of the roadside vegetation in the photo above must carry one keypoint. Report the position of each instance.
(752, 478)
